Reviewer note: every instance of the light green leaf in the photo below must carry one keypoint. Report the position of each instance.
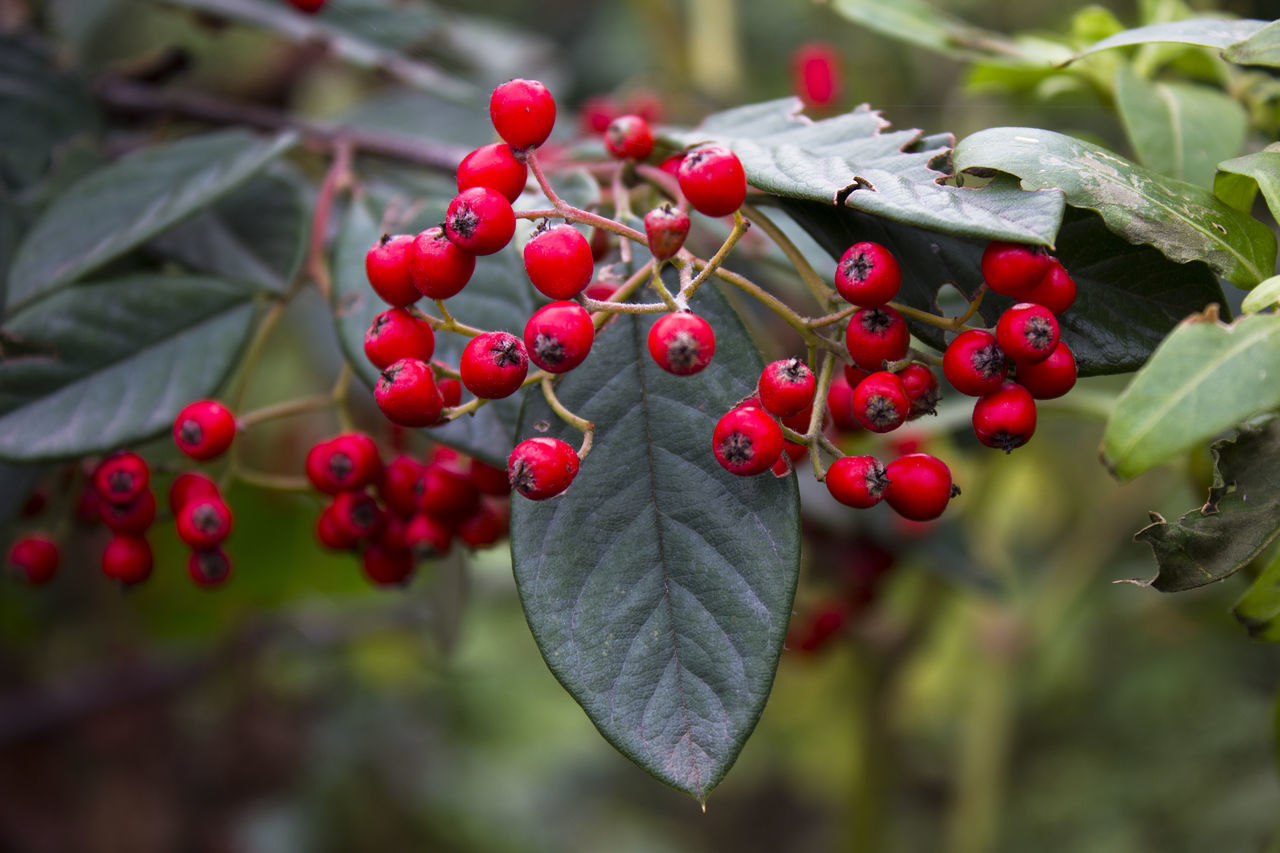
(1183, 221)
(1258, 610)
(1264, 296)
(1260, 48)
(1217, 33)
(1206, 377)
(1239, 179)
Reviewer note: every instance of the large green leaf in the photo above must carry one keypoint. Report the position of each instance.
(1260, 48)
(852, 159)
(1183, 221)
(1258, 610)
(1179, 129)
(659, 586)
(1239, 519)
(1217, 33)
(1206, 377)
(110, 363)
(121, 206)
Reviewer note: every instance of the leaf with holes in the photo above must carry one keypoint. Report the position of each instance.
(659, 585)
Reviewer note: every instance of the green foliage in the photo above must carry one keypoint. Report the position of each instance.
(1260, 48)
(1201, 32)
(1258, 610)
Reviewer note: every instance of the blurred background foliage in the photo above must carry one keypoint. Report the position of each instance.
(977, 684)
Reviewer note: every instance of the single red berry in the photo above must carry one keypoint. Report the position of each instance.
(494, 365)
(601, 291)
(121, 477)
(665, 229)
(391, 534)
(310, 7)
(34, 558)
(712, 179)
(357, 515)
(815, 74)
(541, 467)
(387, 266)
(398, 484)
(427, 537)
(601, 244)
(746, 441)
(132, 518)
(1005, 418)
(629, 137)
(974, 363)
(523, 112)
(486, 526)
(1013, 269)
(840, 405)
(127, 559)
(495, 166)
(671, 165)
(1056, 290)
(387, 566)
(858, 481)
(919, 486)
(596, 112)
(868, 275)
(407, 395)
(209, 568)
(786, 387)
(439, 269)
(880, 402)
(445, 491)
(331, 534)
(645, 103)
(187, 486)
(922, 389)
(480, 221)
(204, 429)
(822, 626)
(558, 261)
(398, 333)
(343, 463)
(488, 479)
(876, 336)
(450, 391)
(1051, 378)
(1027, 332)
(558, 337)
(204, 522)
(682, 343)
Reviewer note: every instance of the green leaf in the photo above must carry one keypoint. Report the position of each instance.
(1179, 129)
(1206, 377)
(1263, 296)
(497, 297)
(111, 363)
(1199, 32)
(659, 586)
(1260, 48)
(1183, 221)
(258, 233)
(1238, 521)
(1239, 179)
(119, 207)
(852, 159)
(1258, 610)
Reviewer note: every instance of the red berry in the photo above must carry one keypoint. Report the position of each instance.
(1051, 378)
(387, 266)
(494, 365)
(446, 492)
(387, 566)
(187, 486)
(858, 481)
(451, 391)
(746, 441)
(1012, 269)
(121, 477)
(558, 261)
(868, 275)
(209, 568)
(919, 486)
(629, 138)
(480, 221)
(494, 166)
(786, 387)
(343, 463)
(601, 291)
(665, 229)
(131, 518)
(486, 526)
(331, 534)
(1027, 332)
(1056, 290)
(541, 468)
(127, 559)
(596, 112)
(439, 269)
(427, 537)
(398, 333)
(840, 404)
(601, 244)
(34, 558)
(488, 479)
(406, 394)
(558, 337)
(204, 429)
(523, 112)
(815, 72)
(880, 402)
(398, 484)
(308, 6)
(204, 522)
(712, 179)
(646, 104)
(922, 389)
(357, 515)
(876, 336)
(974, 363)
(682, 343)
(1005, 418)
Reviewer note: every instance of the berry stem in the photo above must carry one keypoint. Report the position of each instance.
(446, 323)
(569, 213)
(740, 227)
(586, 427)
(285, 409)
(808, 275)
(973, 304)
(470, 407)
(337, 178)
(272, 482)
(672, 304)
(951, 324)
(814, 436)
(614, 304)
(254, 353)
(777, 306)
(828, 319)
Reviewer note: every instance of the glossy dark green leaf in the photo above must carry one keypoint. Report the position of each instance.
(1258, 610)
(659, 586)
(497, 297)
(121, 206)
(1206, 377)
(111, 363)
(1259, 48)
(853, 159)
(1220, 33)
(1239, 519)
(1183, 221)
(1129, 296)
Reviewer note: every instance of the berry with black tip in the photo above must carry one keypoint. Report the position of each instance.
(629, 137)
(682, 343)
(494, 365)
(121, 477)
(974, 363)
(922, 388)
(558, 261)
(558, 337)
(407, 395)
(713, 180)
(132, 518)
(857, 481)
(880, 402)
(919, 487)
(427, 537)
(204, 522)
(786, 387)
(209, 568)
(343, 463)
(357, 515)
(34, 558)
(1027, 332)
(204, 429)
(495, 166)
(540, 468)
(439, 268)
(746, 441)
(398, 333)
(387, 266)
(480, 221)
(876, 336)
(868, 275)
(1005, 418)
(665, 230)
(187, 486)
